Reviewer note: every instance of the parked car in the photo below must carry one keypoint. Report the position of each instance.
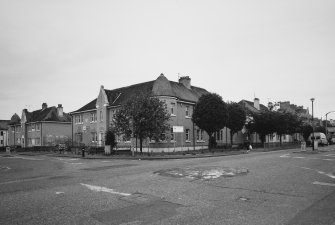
(319, 137)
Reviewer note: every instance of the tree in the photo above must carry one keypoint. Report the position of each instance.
(110, 139)
(236, 118)
(210, 114)
(306, 130)
(286, 123)
(143, 116)
(262, 123)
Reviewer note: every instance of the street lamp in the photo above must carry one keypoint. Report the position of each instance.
(312, 99)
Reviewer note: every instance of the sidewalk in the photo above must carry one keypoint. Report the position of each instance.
(137, 156)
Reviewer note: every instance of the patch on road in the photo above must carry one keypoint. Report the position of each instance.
(146, 213)
(108, 167)
(203, 173)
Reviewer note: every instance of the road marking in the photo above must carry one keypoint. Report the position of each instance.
(59, 192)
(323, 183)
(329, 159)
(330, 155)
(298, 157)
(106, 161)
(285, 156)
(20, 157)
(320, 172)
(5, 168)
(104, 189)
(66, 159)
(73, 163)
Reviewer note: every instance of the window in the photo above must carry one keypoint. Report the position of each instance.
(187, 134)
(271, 137)
(94, 137)
(101, 116)
(37, 141)
(79, 119)
(200, 135)
(38, 127)
(93, 117)
(187, 111)
(1, 133)
(32, 127)
(79, 137)
(173, 105)
(172, 134)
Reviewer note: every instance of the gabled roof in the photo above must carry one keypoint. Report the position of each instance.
(251, 106)
(47, 115)
(89, 106)
(4, 124)
(159, 87)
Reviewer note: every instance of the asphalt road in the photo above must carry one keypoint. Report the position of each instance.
(282, 187)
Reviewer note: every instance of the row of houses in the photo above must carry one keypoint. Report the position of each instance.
(87, 126)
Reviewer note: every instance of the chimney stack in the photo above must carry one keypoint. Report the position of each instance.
(44, 106)
(256, 103)
(60, 110)
(186, 81)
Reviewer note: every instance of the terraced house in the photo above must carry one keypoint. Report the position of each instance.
(91, 121)
(47, 126)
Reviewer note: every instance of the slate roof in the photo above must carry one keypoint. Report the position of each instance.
(159, 87)
(4, 124)
(251, 104)
(47, 115)
(89, 106)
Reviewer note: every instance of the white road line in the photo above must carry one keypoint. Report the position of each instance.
(320, 172)
(104, 189)
(324, 184)
(330, 155)
(298, 157)
(5, 168)
(328, 159)
(285, 156)
(20, 157)
(73, 163)
(59, 192)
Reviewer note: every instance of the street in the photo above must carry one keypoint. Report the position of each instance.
(279, 187)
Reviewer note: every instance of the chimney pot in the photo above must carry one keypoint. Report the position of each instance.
(44, 106)
(256, 103)
(60, 110)
(186, 81)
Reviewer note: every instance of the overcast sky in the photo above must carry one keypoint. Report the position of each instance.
(60, 52)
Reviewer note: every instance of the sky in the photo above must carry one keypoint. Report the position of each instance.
(61, 52)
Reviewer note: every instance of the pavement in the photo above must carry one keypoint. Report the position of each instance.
(160, 156)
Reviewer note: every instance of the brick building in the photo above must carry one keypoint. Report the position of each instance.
(4, 133)
(47, 126)
(91, 121)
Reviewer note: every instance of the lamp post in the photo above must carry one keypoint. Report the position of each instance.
(312, 99)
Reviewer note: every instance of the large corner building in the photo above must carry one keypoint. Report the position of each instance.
(91, 121)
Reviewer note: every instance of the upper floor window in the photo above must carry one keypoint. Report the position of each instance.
(101, 116)
(78, 118)
(173, 106)
(187, 111)
(38, 127)
(93, 117)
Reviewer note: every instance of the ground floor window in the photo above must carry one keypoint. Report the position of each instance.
(172, 134)
(78, 137)
(187, 134)
(200, 134)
